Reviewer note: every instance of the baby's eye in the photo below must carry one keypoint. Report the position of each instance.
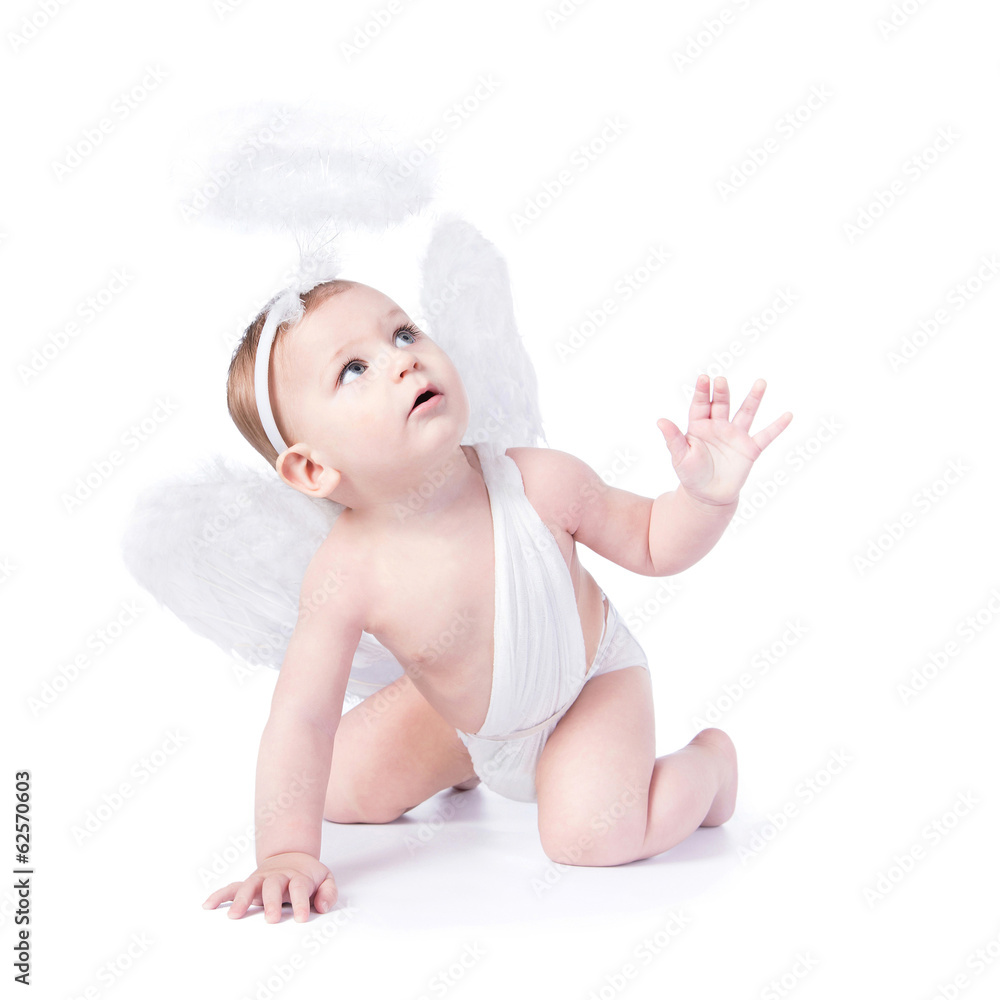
(403, 331)
(346, 370)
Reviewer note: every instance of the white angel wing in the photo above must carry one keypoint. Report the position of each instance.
(466, 293)
(226, 549)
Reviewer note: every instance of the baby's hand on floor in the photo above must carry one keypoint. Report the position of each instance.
(292, 877)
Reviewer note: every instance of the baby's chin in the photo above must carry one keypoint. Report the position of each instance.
(433, 446)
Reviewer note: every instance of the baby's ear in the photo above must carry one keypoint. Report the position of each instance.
(300, 471)
(327, 482)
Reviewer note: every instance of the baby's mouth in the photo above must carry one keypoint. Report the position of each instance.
(429, 393)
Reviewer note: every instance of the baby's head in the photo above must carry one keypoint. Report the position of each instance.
(342, 385)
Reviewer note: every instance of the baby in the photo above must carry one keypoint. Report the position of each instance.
(518, 671)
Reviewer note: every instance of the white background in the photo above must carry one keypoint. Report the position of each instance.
(867, 439)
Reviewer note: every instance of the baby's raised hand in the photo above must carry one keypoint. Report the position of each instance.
(290, 878)
(714, 458)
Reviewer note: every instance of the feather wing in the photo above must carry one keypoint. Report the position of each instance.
(225, 549)
(466, 294)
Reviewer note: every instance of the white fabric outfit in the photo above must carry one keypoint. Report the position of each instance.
(539, 654)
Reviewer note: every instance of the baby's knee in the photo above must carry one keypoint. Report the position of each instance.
(583, 850)
(593, 841)
(563, 850)
(363, 807)
(379, 814)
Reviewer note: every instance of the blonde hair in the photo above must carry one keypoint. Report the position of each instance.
(240, 397)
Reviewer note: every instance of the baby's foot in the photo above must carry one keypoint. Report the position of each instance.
(724, 802)
(464, 786)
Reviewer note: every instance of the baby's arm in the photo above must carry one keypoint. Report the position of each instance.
(671, 533)
(296, 747)
(650, 537)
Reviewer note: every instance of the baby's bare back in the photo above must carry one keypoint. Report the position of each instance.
(429, 598)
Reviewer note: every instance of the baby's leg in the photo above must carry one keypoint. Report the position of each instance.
(391, 753)
(603, 796)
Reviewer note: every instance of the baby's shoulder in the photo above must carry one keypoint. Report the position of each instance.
(337, 571)
(542, 475)
(540, 468)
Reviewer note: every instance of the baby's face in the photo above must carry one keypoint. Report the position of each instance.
(346, 379)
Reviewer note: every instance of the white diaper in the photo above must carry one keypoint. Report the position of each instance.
(539, 664)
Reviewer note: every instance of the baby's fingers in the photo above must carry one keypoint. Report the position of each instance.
(763, 438)
(326, 895)
(677, 442)
(746, 413)
(222, 895)
(272, 893)
(299, 891)
(244, 896)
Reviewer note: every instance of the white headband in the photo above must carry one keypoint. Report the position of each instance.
(315, 267)
(277, 314)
